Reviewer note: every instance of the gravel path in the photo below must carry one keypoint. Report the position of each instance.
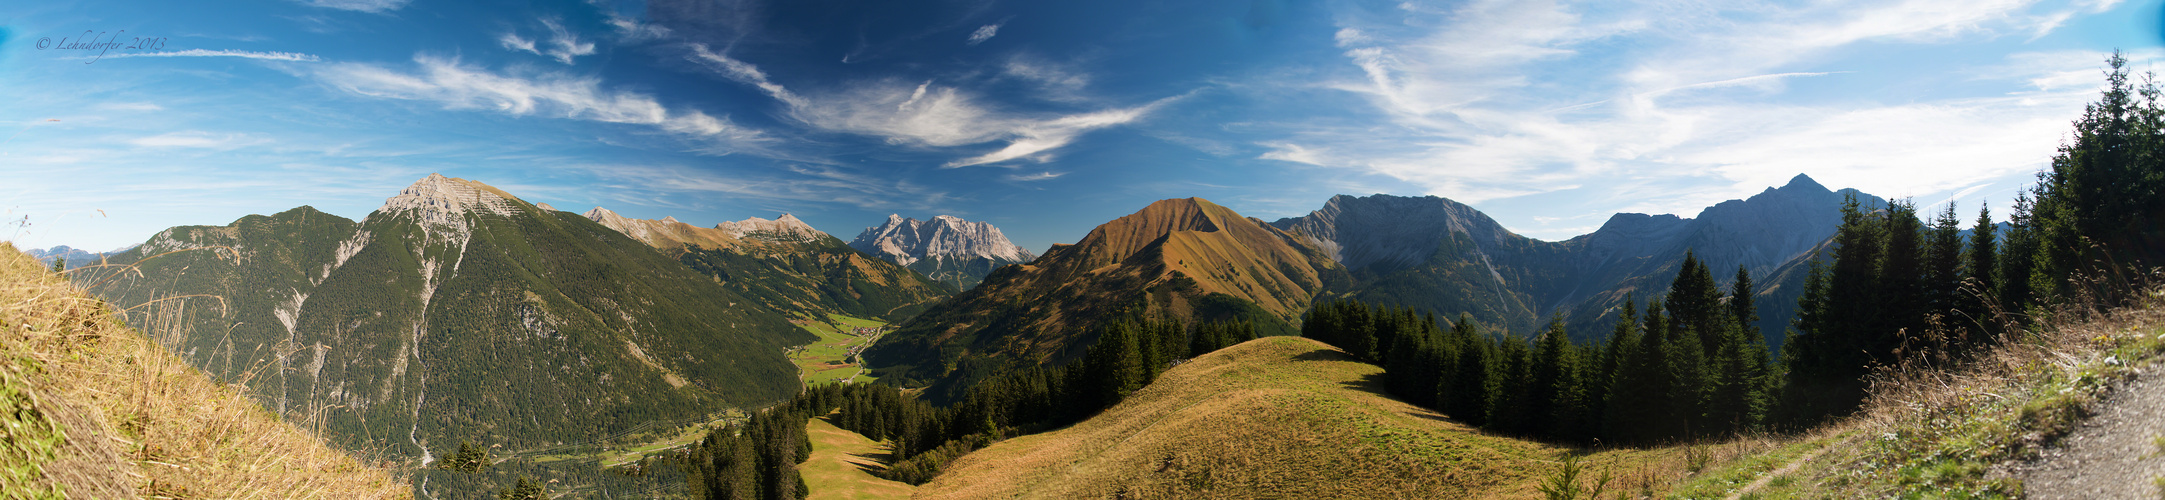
(2114, 454)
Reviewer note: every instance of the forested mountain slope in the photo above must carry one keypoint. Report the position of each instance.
(1436, 254)
(456, 311)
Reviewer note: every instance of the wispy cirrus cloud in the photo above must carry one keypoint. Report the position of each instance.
(563, 45)
(1491, 100)
(244, 54)
(459, 86)
(360, 5)
(926, 114)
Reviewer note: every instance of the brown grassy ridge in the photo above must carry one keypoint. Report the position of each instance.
(1288, 417)
(133, 420)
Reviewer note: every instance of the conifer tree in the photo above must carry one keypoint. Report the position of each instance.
(1979, 267)
(1741, 307)
(1473, 387)
(1943, 262)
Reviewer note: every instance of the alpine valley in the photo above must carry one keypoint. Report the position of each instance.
(459, 313)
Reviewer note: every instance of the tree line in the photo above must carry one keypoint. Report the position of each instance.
(1689, 365)
(757, 459)
(1897, 290)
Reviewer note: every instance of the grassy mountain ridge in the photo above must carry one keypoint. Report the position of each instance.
(796, 270)
(1165, 259)
(1269, 418)
(457, 312)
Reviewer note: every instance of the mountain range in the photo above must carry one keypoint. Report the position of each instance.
(787, 266)
(1194, 260)
(455, 311)
(1436, 254)
(946, 248)
(1183, 258)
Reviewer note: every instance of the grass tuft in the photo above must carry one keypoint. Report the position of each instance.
(132, 419)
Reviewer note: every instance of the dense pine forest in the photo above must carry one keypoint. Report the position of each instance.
(1895, 291)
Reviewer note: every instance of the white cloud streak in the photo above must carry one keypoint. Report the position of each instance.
(925, 114)
(374, 6)
(458, 86)
(244, 54)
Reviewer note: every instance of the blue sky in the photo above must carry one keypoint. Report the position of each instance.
(1045, 118)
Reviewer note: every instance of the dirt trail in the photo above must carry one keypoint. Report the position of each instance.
(2114, 454)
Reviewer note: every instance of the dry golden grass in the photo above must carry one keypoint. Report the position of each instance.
(141, 422)
(1287, 417)
(1939, 426)
(839, 464)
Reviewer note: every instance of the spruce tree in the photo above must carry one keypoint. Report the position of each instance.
(1741, 307)
(1979, 268)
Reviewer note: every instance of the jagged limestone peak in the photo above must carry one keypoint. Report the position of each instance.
(906, 240)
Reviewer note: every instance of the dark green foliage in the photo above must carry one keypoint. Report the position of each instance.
(469, 459)
(1648, 383)
(1980, 269)
(1894, 295)
(756, 459)
(60, 263)
(525, 489)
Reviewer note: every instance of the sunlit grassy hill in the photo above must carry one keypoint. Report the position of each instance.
(92, 409)
(1278, 417)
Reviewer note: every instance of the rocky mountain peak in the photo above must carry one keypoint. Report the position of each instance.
(621, 224)
(1391, 230)
(439, 200)
(906, 240)
(785, 227)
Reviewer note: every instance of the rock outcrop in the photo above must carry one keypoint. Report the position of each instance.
(947, 248)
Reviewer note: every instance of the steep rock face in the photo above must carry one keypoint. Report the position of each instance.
(456, 311)
(786, 265)
(947, 248)
(1185, 258)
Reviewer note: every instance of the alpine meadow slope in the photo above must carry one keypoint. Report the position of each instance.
(1273, 418)
(456, 312)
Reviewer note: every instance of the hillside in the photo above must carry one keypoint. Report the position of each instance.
(1436, 254)
(787, 266)
(456, 312)
(1269, 418)
(1184, 258)
(957, 252)
(94, 409)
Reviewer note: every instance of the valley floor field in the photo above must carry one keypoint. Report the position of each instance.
(830, 359)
